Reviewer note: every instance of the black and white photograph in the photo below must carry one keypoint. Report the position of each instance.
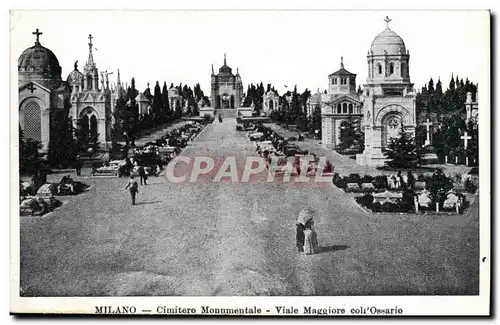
(250, 162)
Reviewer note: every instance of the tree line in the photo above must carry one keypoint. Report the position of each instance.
(128, 123)
(445, 109)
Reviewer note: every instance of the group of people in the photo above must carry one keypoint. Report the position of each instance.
(400, 180)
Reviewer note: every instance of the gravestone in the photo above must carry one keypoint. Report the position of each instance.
(368, 187)
(452, 201)
(352, 187)
(423, 199)
(419, 186)
(387, 195)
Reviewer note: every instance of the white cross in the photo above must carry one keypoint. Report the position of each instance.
(466, 137)
(427, 124)
(428, 139)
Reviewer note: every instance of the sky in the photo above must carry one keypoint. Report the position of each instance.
(275, 46)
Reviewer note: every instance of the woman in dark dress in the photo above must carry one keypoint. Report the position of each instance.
(300, 237)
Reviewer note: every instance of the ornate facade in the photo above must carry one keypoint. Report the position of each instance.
(91, 105)
(43, 95)
(271, 102)
(227, 89)
(388, 98)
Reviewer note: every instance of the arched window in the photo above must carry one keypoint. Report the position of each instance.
(89, 82)
(32, 121)
(344, 108)
(379, 68)
(93, 128)
(334, 81)
(391, 68)
(84, 129)
(339, 109)
(350, 109)
(403, 70)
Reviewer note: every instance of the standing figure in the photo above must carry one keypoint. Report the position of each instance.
(220, 118)
(142, 175)
(133, 188)
(78, 166)
(310, 238)
(300, 237)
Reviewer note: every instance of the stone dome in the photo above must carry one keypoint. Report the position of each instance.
(38, 63)
(75, 77)
(388, 42)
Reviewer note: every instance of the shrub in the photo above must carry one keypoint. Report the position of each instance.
(470, 187)
(380, 182)
(389, 207)
(338, 181)
(207, 118)
(353, 178)
(438, 186)
(408, 197)
(367, 179)
(376, 207)
(365, 200)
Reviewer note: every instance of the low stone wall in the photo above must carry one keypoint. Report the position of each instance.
(206, 110)
(245, 111)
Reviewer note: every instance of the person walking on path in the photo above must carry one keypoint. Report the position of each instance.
(142, 175)
(133, 188)
(78, 166)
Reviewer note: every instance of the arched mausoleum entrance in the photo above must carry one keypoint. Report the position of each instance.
(88, 125)
(391, 128)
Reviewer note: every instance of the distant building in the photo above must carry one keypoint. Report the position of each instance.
(175, 99)
(227, 89)
(340, 104)
(270, 102)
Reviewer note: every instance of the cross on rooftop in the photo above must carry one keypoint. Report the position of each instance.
(37, 33)
(387, 20)
(31, 87)
(90, 40)
(466, 137)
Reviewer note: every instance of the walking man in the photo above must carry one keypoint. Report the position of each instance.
(142, 175)
(133, 188)
(78, 166)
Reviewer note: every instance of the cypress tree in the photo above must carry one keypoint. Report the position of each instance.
(157, 101)
(164, 98)
(452, 83)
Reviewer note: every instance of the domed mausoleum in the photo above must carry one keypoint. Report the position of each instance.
(43, 95)
(388, 96)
